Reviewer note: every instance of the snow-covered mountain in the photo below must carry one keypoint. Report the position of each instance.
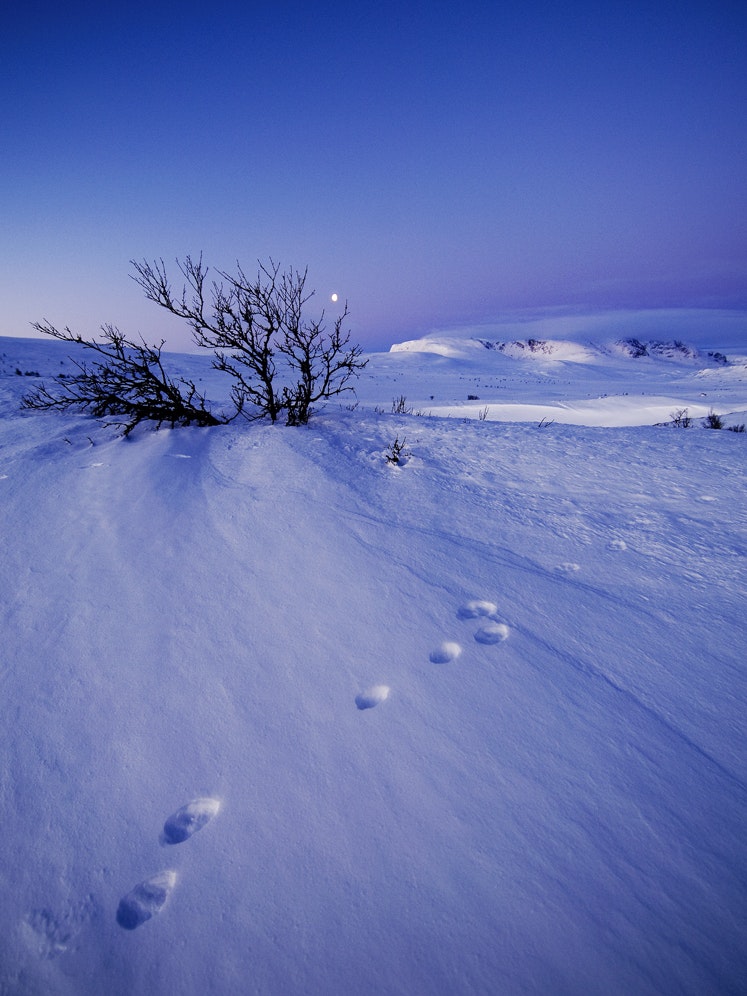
(602, 382)
(562, 350)
(282, 717)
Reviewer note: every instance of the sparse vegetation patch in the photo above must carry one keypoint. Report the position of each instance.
(397, 454)
(680, 419)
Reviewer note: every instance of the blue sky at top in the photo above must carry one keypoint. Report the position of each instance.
(435, 164)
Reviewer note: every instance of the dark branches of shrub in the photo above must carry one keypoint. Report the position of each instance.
(124, 385)
(681, 419)
(281, 362)
(324, 365)
(397, 453)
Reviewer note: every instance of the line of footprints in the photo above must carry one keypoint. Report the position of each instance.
(149, 897)
(491, 631)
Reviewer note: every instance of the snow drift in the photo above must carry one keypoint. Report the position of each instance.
(281, 718)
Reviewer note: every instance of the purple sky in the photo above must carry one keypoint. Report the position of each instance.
(436, 164)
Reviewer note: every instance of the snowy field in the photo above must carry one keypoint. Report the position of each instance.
(279, 717)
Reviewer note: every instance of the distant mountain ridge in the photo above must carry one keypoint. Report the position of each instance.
(562, 350)
(673, 349)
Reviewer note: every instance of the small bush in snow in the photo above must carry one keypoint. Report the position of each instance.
(397, 453)
(400, 406)
(713, 421)
(736, 428)
(681, 419)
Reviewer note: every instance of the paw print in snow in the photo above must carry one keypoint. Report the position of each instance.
(492, 632)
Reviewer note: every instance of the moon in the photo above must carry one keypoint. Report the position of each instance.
(333, 298)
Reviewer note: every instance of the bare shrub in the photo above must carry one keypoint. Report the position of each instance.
(124, 384)
(400, 406)
(397, 453)
(281, 362)
(680, 418)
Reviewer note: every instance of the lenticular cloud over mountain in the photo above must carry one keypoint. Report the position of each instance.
(283, 716)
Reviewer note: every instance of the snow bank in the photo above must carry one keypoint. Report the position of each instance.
(233, 762)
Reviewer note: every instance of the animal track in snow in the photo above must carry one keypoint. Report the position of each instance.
(568, 568)
(51, 934)
(145, 900)
(188, 820)
(445, 653)
(476, 609)
(372, 696)
(495, 633)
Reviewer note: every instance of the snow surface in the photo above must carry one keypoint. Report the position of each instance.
(470, 724)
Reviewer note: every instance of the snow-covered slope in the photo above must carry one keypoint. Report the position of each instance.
(472, 724)
(603, 382)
